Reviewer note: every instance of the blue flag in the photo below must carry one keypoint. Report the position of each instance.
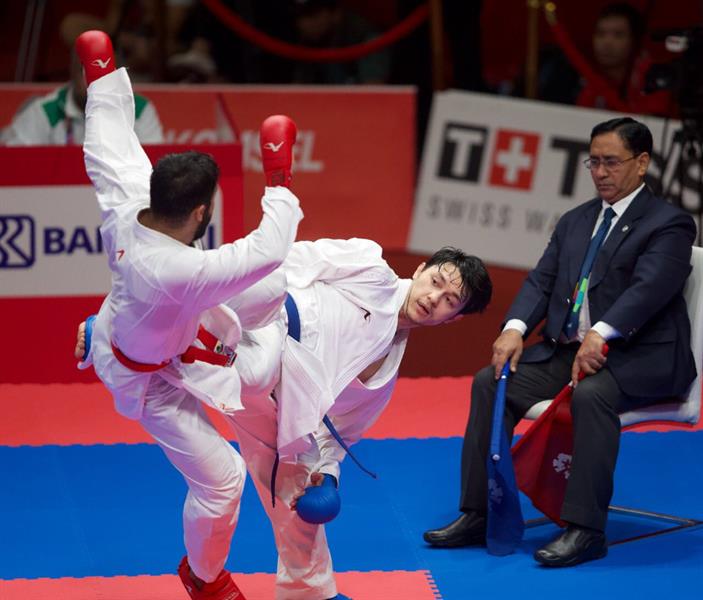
(505, 525)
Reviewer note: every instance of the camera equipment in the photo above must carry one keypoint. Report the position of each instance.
(684, 78)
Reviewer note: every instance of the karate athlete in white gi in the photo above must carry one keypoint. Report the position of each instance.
(164, 292)
(355, 315)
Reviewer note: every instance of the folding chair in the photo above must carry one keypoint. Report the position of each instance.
(678, 414)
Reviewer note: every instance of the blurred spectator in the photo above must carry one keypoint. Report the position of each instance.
(617, 57)
(58, 119)
(617, 43)
(211, 52)
(326, 24)
(194, 65)
(133, 26)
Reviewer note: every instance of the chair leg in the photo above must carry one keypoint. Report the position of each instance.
(537, 522)
(681, 522)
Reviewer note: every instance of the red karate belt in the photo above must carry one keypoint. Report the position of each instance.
(214, 353)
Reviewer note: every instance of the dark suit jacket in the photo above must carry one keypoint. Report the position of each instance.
(636, 287)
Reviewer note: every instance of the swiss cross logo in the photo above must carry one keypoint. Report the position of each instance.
(514, 159)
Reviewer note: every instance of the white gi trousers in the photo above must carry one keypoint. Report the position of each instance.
(304, 562)
(212, 469)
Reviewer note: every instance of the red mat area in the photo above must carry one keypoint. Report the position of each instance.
(374, 585)
(77, 413)
(66, 414)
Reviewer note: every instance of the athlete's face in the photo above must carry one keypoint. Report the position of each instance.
(435, 295)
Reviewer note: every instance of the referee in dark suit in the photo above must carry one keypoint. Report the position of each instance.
(613, 272)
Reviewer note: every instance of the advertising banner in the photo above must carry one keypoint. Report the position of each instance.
(497, 174)
(354, 168)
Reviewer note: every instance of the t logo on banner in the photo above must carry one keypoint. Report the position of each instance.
(514, 159)
(462, 152)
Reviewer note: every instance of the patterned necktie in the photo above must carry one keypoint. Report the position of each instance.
(572, 322)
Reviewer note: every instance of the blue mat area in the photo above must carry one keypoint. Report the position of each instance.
(116, 510)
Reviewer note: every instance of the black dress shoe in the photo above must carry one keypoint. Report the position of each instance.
(468, 530)
(573, 546)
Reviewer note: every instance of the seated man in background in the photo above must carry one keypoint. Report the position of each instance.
(626, 292)
(617, 51)
(58, 118)
(618, 57)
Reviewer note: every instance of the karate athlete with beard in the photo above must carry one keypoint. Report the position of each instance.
(354, 316)
(165, 291)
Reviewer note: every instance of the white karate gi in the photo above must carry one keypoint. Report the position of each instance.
(161, 291)
(348, 299)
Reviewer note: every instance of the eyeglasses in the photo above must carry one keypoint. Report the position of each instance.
(610, 163)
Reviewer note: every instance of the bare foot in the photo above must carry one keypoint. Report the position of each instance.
(80, 342)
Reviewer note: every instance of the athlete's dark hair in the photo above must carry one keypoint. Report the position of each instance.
(476, 286)
(181, 182)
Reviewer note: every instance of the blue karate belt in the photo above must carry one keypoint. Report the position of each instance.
(294, 332)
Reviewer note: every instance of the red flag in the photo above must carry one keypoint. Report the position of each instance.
(542, 456)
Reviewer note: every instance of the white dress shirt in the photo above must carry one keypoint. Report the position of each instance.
(606, 331)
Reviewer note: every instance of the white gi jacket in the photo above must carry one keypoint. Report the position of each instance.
(348, 299)
(161, 288)
(358, 407)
